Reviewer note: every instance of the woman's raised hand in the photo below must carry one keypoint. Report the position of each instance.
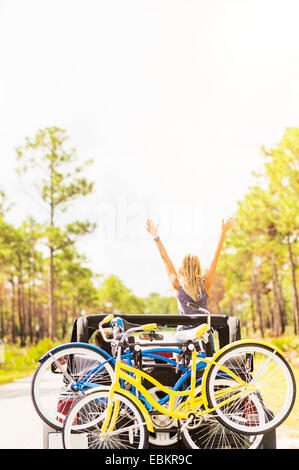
(228, 224)
(151, 228)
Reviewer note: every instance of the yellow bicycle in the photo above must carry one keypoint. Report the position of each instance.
(247, 386)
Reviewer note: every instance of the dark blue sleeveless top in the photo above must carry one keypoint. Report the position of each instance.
(183, 298)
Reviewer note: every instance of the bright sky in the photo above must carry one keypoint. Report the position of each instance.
(172, 99)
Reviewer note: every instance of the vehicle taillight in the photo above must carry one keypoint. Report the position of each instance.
(251, 413)
(64, 407)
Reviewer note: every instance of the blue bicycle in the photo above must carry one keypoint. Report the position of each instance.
(69, 371)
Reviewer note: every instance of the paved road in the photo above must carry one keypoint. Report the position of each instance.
(23, 429)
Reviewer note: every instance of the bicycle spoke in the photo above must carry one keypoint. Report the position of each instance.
(87, 417)
(271, 388)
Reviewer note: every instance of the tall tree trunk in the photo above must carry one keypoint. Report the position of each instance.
(31, 290)
(23, 306)
(51, 294)
(51, 281)
(253, 314)
(258, 304)
(41, 331)
(30, 325)
(74, 313)
(295, 291)
(270, 313)
(278, 328)
(282, 308)
(295, 314)
(2, 329)
(21, 314)
(64, 322)
(13, 317)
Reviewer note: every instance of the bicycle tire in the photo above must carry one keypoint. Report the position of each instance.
(82, 424)
(52, 395)
(207, 432)
(271, 389)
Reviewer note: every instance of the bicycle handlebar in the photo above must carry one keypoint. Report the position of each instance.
(107, 319)
(149, 326)
(130, 331)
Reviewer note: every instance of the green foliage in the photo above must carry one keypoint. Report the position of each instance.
(113, 295)
(42, 274)
(22, 361)
(17, 356)
(156, 304)
(259, 262)
(286, 343)
(35, 352)
(59, 182)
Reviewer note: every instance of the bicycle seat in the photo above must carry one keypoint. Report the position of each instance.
(192, 333)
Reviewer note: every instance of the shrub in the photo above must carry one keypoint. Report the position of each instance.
(20, 362)
(286, 343)
(41, 348)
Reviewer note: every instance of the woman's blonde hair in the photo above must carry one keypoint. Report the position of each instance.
(189, 275)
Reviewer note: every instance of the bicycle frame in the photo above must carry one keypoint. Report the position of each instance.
(150, 354)
(184, 409)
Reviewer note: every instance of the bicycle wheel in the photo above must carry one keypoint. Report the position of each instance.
(55, 383)
(206, 432)
(271, 377)
(82, 426)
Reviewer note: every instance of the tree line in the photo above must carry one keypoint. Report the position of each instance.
(258, 270)
(45, 281)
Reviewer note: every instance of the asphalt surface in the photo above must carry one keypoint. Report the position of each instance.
(21, 427)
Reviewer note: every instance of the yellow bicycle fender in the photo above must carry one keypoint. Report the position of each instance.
(248, 341)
